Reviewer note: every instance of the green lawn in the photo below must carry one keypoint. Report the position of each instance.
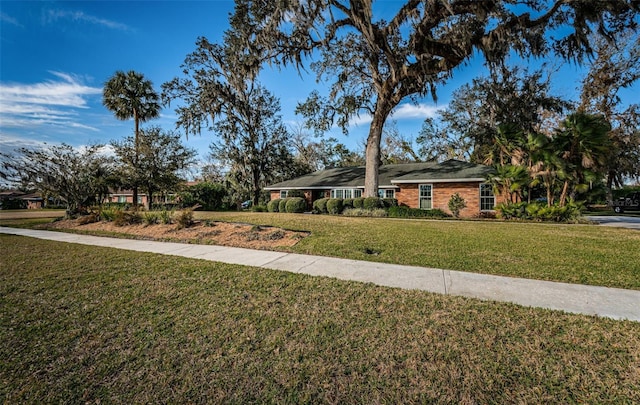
(585, 254)
(84, 324)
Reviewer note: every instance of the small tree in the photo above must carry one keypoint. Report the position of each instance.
(78, 177)
(456, 204)
(156, 164)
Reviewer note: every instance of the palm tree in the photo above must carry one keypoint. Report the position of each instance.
(130, 95)
(585, 145)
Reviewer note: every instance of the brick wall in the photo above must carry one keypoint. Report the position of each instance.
(441, 194)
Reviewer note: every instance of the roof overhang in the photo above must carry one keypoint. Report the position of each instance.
(427, 181)
(324, 188)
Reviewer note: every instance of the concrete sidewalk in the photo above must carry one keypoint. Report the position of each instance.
(582, 299)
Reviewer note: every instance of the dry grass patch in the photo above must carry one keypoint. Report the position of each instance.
(93, 325)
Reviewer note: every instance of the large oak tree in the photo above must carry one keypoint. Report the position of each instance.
(376, 57)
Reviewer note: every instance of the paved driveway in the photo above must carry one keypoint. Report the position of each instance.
(618, 220)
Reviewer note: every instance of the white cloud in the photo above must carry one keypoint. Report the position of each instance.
(53, 16)
(5, 18)
(412, 111)
(50, 103)
(403, 111)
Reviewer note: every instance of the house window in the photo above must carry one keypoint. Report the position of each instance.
(487, 199)
(425, 196)
(122, 198)
(283, 193)
(386, 193)
(346, 193)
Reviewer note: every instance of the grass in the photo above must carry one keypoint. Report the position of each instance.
(145, 328)
(582, 254)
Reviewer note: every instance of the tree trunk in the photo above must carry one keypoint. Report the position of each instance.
(372, 161)
(136, 124)
(256, 187)
(563, 196)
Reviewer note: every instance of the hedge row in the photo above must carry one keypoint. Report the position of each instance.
(540, 212)
(406, 212)
(337, 206)
(290, 204)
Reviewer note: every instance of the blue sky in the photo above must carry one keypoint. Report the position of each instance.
(56, 56)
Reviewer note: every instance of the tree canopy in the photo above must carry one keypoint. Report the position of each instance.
(251, 139)
(79, 177)
(376, 63)
(156, 165)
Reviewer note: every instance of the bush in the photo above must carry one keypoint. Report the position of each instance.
(389, 202)
(295, 193)
(282, 205)
(358, 202)
(151, 218)
(109, 215)
(259, 208)
(536, 211)
(320, 205)
(210, 196)
(296, 205)
(334, 206)
(406, 212)
(184, 218)
(347, 203)
(273, 205)
(88, 219)
(371, 203)
(361, 212)
(123, 218)
(456, 204)
(166, 217)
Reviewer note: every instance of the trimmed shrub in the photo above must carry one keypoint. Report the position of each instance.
(347, 203)
(371, 203)
(361, 212)
(273, 205)
(406, 212)
(456, 204)
(282, 205)
(320, 205)
(295, 193)
(334, 206)
(389, 202)
(358, 202)
(259, 208)
(296, 205)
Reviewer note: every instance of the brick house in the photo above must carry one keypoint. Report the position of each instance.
(416, 185)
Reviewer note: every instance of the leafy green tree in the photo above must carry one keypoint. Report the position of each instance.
(154, 162)
(129, 95)
(251, 140)
(377, 63)
(210, 196)
(615, 68)
(511, 97)
(79, 177)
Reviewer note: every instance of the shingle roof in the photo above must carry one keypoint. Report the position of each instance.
(388, 175)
